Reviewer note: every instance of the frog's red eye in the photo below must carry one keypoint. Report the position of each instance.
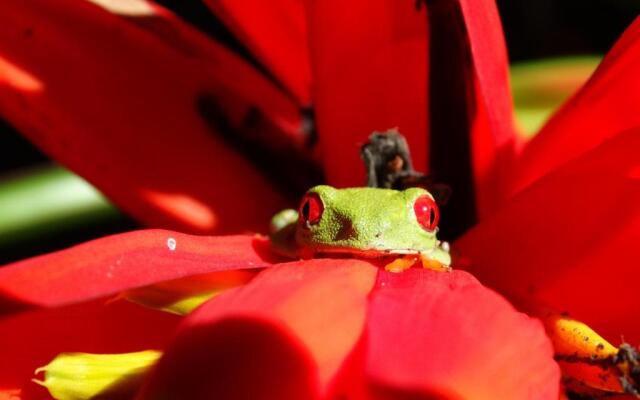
(426, 212)
(311, 208)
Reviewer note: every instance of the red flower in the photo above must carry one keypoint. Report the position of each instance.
(557, 225)
(299, 330)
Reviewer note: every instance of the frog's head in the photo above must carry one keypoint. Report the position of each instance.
(367, 221)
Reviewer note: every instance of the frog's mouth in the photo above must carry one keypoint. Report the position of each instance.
(337, 251)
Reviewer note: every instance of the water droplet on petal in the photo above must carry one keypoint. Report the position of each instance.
(171, 244)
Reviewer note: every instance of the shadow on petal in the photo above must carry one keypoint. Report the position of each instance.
(234, 359)
(276, 32)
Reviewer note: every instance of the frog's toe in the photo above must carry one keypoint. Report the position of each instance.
(434, 265)
(445, 246)
(400, 264)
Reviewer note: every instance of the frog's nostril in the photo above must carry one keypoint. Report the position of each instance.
(346, 231)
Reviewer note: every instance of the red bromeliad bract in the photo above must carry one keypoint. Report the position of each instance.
(308, 329)
(153, 113)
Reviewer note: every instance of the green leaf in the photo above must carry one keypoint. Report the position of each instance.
(46, 201)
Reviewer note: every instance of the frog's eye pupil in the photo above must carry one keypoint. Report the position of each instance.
(311, 209)
(426, 212)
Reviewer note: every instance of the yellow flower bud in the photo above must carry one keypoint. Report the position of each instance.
(80, 376)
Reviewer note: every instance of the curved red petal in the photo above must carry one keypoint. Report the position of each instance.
(493, 138)
(284, 335)
(377, 75)
(150, 115)
(570, 241)
(276, 32)
(443, 335)
(112, 264)
(605, 106)
(367, 76)
(30, 340)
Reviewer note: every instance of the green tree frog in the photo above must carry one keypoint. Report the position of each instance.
(363, 222)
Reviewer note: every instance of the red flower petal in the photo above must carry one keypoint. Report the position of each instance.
(375, 75)
(370, 73)
(130, 114)
(493, 137)
(112, 264)
(276, 32)
(604, 107)
(570, 241)
(444, 335)
(283, 336)
(30, 340)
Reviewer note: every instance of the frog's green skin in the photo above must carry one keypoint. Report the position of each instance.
(363, 222)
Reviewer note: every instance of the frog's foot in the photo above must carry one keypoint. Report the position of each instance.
(433, 264)
(401, 264)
